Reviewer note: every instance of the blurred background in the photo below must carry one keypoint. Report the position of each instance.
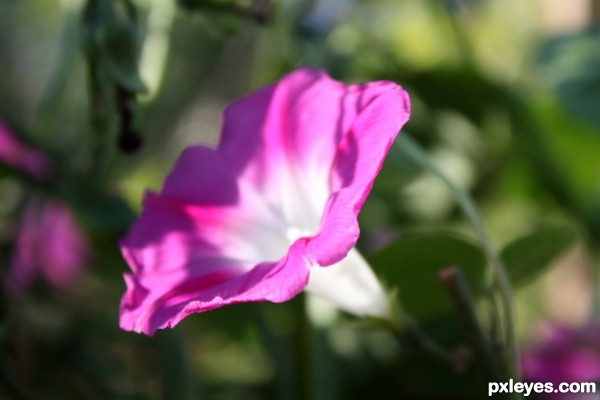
(506, 98)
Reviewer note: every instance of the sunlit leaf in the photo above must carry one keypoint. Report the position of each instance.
(527, 257)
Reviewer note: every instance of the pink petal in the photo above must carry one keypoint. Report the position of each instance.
(318, 145)
(63, 246)
(195, 256)
(202, 212)
(144, 310)
(359, 157)
(281, 194)
(15, 154)
(563, 354)
(51, 243)
(24, 267)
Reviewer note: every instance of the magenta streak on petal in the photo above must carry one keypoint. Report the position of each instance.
(359, 158)
(179, 293)
(259, 284)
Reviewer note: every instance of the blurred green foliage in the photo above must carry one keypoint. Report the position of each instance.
(413, 263)
(506, 103)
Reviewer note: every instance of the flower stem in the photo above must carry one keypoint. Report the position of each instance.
(454, 281)
(292, 351)
(304, 351)
(498, 274)
(427, 343)
(174, 368)
(280, 351)
(46, 113)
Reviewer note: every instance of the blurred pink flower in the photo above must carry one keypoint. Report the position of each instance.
(17, 155)
(50, 243)
(564, 355)
(277, 200)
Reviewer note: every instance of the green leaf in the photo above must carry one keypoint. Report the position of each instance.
(527, 257)
(413, 263)
(576, 157)
(571, 64)
(118, 41)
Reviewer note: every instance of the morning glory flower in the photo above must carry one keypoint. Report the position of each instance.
(270, 212)
(49, 244)
(564, 354)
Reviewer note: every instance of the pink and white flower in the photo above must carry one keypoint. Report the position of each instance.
(272, 210)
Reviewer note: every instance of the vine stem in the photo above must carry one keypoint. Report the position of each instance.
(454, 281)
(498, 274)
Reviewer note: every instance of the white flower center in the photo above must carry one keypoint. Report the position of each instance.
(294, 233)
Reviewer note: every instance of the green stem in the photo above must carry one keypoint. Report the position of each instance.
(455, 283)
(595, 296)
(460, 37)
(428, 343)
(174, 369)
(280, 352)
(498, 270)
(304, 351)
(46, 113)
(292, 352)
(495, 328)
